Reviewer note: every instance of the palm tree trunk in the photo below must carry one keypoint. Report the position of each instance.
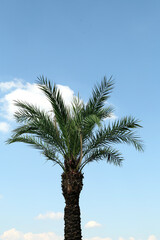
(71, 187)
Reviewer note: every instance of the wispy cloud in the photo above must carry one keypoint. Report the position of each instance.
(152, 237)
(92, 224)
(4, 127)
(6, 86)
(1, 196)
(13, 234)
(99, 238)
(50, 215)
(130, 238)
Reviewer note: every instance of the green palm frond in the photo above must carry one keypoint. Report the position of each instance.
(100, 94)
(38, 123)
(73, 132)
(59, 109)
(105, 113)
(47, 150)
(95, 112)
(92, 120)
(111, 156)
(77, 107)
(89, 122)
(121, 131)
(26, 112)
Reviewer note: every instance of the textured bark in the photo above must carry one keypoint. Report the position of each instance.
(71, 188)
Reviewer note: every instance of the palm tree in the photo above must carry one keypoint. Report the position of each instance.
(74, 136)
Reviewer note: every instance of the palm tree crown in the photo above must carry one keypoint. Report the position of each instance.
(77, 135)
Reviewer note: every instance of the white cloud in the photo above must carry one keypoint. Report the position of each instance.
(92, 224)
(130, 238)
(98, 238)
(28, 93)
(4, 127)
(13, 234)
(1, 196)
(67, 93)
(16, 83)
(42, 236)
(50, 215)
(152, 237)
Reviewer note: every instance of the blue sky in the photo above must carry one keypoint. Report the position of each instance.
(76, 43)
